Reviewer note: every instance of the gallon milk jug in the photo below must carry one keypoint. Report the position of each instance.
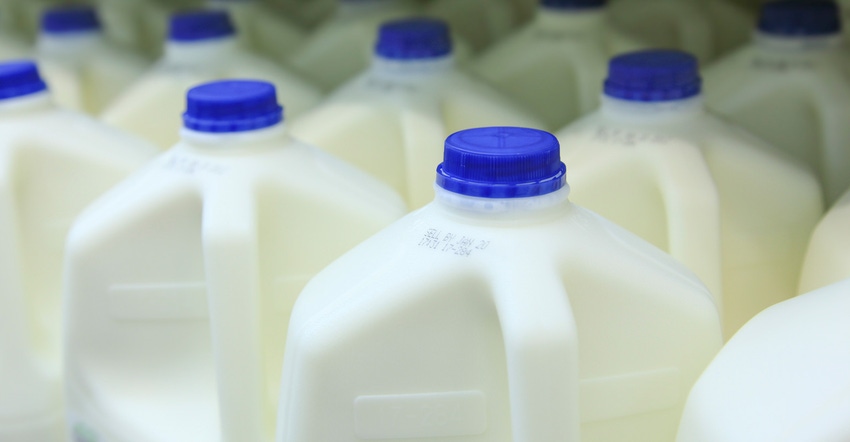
(262, 29)
(555, 65)
(479, 22)
(782, 377)
(202, 46)
(53, 162)
(342, 46)
(499, 312)
(828, 257)
(792, 87)
(84, 71)
(181, 280)
(705, 28)
(733, 209)
(388, 120)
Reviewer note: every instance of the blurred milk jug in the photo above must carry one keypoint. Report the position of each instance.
(202, 46)
(390, 120)
(782, 377)
(828, 257)
(732, 208)
(84, 70)
(555, 65)
(791, 87)
(53, 162)
(182, 278)
(499, 312)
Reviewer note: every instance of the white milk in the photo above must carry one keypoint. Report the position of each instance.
(555, 65)
(85, 72)
(792, 88)
(53, 162)
(202, 46)
(828, 257)
(500, 312)
(181, 280)
(705, 28)
(783, 377)
(342, 46)
(262, 29)
(479, 22)
(389, 120)
(735, 210)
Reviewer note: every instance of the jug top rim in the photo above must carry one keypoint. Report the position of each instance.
(19, 78)
(205, 24)
(653, 75)
(228, 106)
(800, 18)
(68, 19)
(414, 39)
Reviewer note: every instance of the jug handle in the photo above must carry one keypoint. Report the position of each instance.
(233, 281)
(541, 345)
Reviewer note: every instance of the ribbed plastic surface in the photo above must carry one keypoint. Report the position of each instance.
(653, 75)
(415, 38)
(502, 162)
(232, 106)
(19, 78)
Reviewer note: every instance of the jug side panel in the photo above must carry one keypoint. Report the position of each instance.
(827, 258)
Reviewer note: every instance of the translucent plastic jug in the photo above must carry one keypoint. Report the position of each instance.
(499, 312)
(262, 29)
(85, 72)
(53, 162)
(791, 86)
(735, 210)
(342, 46)
(389, 120)
(181, 280)
(828, 257)
(479, 22)
(555, 65)
(783, 377)
(705, 28)
(202, 46)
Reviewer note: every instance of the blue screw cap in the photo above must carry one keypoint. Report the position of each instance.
(415, 38)
(800, 18)
(200, 25)
(573, 4)
(653, 75)
(502, 162)
(232, 106)
(69, 19)
(19, 78)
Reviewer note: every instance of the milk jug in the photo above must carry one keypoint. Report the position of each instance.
(53, 162)
(181, 279)
(791, 86)
(732, 208)
(388, 120)
(262, 29)
(828, 257)
(705, 28)
(555, 65)
(85, 72)
(499, 312)
(342, 46)
(202, 46)
(479, 22)
(783, 377)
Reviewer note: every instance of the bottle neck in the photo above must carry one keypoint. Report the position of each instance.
(503, 210)
(200, 51)
(69, 45)
(796, 46)
(572, 21)
(230, 141)
(414, 69)
(652, 112)
(27, 103)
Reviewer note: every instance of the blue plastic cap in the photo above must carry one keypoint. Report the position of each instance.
(573, 4)
(415, 38)
(653, 75)
(69, 19)
(799, 18)
(200, 25)
(19, 78)
(502, 162)
(232, 106)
